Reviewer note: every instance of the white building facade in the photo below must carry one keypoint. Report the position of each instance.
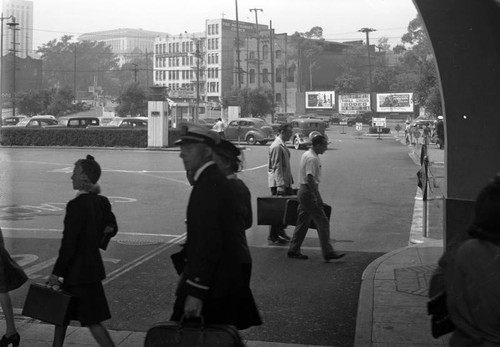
(22, 11)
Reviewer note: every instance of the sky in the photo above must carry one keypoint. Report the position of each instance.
(340, 19)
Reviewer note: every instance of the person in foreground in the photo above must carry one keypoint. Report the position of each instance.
(12, 277)
(212, 278)
(280, 178)
(311, 204)
(227, 158)
(472, 275)
(79, 269)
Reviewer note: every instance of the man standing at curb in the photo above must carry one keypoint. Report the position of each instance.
(219, 127)
(311, 204)
(280, 176)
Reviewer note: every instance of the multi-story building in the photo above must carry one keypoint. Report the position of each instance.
(22, 11)
(125, 43)
(265, 60)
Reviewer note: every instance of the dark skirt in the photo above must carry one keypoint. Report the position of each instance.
(12, 275)
(90, 306)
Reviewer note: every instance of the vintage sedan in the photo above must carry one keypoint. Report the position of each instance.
(251, 130)
(304, 129)
(37, 122)
(128, 122)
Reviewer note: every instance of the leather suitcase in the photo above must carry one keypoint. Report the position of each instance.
(45, 304)
(290, 215)
(184, 334)
(271, 209)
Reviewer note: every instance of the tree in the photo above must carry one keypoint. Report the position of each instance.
(94, 61)
(353, 76)
(137, 69)
(60, 102)
(132, 100)
(33, 103)
(308, 49)
(253, 102)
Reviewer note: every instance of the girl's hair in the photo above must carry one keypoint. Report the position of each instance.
(486, 222)
(90, 167)
(231, 154)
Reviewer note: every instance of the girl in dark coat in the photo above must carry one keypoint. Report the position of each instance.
(87, 223)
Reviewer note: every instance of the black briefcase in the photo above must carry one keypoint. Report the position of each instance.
(48, 305)
(290, 217)
(271, 209)
(188, 334)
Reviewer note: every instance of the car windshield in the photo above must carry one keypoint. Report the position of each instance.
(115, 122)
(23, 122)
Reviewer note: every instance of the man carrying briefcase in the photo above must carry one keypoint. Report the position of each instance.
(311, 204)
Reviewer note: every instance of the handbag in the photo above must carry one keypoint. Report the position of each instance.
(441, 322)
(48, 305)
(291, 213)
(188, 334)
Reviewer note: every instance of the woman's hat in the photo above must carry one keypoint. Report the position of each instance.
(228, 148)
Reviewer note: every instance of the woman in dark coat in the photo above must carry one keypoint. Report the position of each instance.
(227, 159)
(79, 266)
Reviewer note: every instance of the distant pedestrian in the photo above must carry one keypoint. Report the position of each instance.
(212, 277)
(440, 131)
(79, 267)
(311, 204)
(280, 176)
(219, 127)
(12, 277)
(227, 157)
(407, 133)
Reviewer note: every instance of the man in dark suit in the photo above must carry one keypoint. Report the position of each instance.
(212, 277)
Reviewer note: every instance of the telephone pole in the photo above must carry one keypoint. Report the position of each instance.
(13, 26)
(198, 70)
(367, 31)
(238, 61)
(258, 42)
(1, 62)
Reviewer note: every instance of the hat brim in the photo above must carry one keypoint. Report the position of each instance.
(188, 139)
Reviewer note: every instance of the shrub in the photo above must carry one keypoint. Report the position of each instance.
(374, 130)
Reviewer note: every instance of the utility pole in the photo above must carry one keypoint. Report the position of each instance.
(13, 26)
(147, 70)
(238, 62)
(367, 31)
(1, 62)
(74, 72)
(271, 51)
(258, 43)
(198, 58)
(135, 72)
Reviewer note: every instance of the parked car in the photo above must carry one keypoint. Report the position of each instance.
(12, 120)
(207, 122)
(37, 122)
(283, 117)
(78, 121)
(419, 123)
(304, 129)
(251, 130)
(128, 122)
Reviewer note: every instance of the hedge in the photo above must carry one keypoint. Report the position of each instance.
(374, 130)
(90, 137)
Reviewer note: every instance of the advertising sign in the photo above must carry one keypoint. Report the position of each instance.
(320, 100)
(395, 102)
(354, 103)
(379, 122)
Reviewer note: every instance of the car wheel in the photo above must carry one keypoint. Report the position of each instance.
(251, 140)
(262, 142)
(296, 143)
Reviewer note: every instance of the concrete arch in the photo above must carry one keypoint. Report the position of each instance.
(465, 35)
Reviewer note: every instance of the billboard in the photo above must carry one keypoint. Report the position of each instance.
(320, 100)
(354, 103)
(395, 102)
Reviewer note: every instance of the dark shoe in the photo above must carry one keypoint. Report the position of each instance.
(334, 255)
(13, 339)
(284, 236)
(277, 240)
(297, 255)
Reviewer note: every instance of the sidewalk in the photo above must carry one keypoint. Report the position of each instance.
(392, 306)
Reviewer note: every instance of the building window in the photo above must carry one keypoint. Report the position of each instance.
(252, 76)
(265, 77)
(251, 55)
(265, 52)
(216, 29)
(278, 75)
(291, 74)
(278, 97)
(278, 54)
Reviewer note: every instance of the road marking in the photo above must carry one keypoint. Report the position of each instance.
(142, 259)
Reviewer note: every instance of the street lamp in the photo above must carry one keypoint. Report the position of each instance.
(1, 61)
(367, 31)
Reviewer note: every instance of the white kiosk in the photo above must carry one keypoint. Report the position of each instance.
(158, 124)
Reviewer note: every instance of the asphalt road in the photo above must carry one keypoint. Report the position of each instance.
(370, 183)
